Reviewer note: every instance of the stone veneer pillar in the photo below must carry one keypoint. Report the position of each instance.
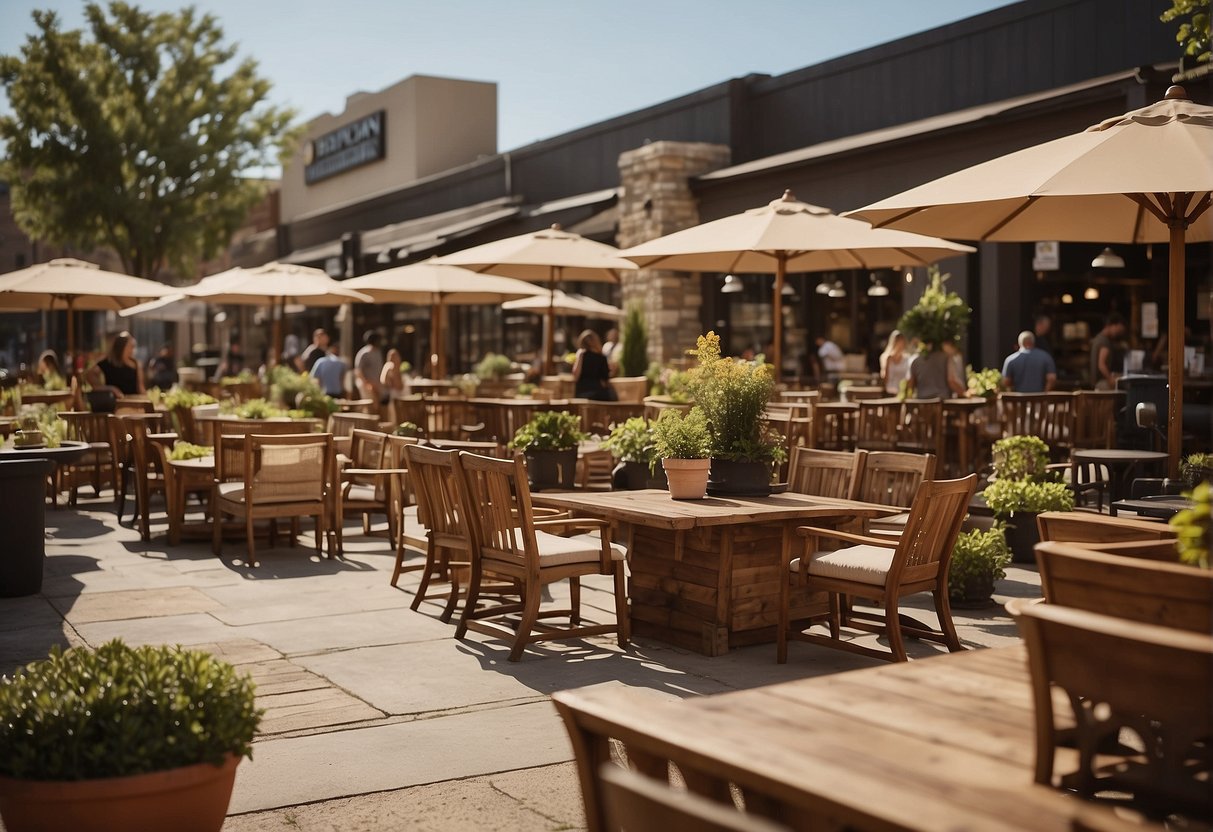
(656, 201)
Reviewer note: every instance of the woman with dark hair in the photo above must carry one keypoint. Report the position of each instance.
(591, 372)
(119, 371)
(48, 366)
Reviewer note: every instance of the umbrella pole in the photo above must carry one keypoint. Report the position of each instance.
(71, 335)
(1175, 350)
(550, 336)
(781, 267)
(276, 332)
(436, 341)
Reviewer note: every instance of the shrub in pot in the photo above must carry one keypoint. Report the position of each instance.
(733, 396)
(979, 558)
(633, 444)
(1022, 490)
(1195, 469)
(549, 443)
(122, 738)
(682, 441)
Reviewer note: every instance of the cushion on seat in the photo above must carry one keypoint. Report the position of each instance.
(863, 564)
(582, 548)
(361, 493)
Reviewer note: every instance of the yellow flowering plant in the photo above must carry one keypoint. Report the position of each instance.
(733, 395)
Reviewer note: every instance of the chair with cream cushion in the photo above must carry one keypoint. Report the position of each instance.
(509, 542)
(883, 570)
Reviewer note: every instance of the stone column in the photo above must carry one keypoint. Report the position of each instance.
(656, 201)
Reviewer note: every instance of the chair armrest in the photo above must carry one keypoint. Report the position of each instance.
(584, 522)
(372, 472)
(835, 534)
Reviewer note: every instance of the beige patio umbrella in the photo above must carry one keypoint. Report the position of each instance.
(788, 236)
(428, 284)
(565, 303)
(1141, 177)
(273, 285)
(547, 256)
(76, 285)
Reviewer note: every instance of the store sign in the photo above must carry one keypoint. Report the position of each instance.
(1047, 257)
(347, 147)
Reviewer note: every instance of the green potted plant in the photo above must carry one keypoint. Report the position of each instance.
(937, 316)
(122, 738)
(491, 372)
(683, 442)
(407, 429)
(733, 396)
(549, 444)
(979, 558)
(1193, 526)
(633, 352)
(983, 384)
(633, 444)
(1022, 489)
(1195, 469)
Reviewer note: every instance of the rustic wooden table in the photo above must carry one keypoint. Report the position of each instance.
(705, 574)
(939, 743)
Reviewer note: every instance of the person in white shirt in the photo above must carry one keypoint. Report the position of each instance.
(830, 356)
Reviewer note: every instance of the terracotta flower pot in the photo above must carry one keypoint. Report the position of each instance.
(189, 799)
(688, 478)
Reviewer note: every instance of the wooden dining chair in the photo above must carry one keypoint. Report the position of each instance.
(95, 465)
(434, 475)
(637, 803)
(1134, 588)
(122, 430)
(409, 532)
(1087, 528)
(825, 473)
(892, 478)
(1095, 417)
(1022, 414)
(261, 477)
(509, 542)
(879, 424)
(149, 473)
(1059, 423)
(834, 426)
(883, 570)
(921, 426)
(1120, 675)
(365, 486)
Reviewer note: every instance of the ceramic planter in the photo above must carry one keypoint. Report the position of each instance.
(188, 799)
(551, 469)
(688, 478)
(739, 479)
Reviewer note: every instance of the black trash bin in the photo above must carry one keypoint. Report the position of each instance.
(22, 525)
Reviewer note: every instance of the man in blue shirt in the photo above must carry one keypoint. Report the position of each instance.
(329, 372)
(1029, 370)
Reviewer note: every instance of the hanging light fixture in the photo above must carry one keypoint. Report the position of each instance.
(1108, 259)
(1090, 293)
(878, 289)
(837, 290)
(788, 291)
(823, 288)
(731, 285)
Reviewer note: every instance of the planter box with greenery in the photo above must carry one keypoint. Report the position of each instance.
(1021, 490)
(549, 443)
(979, 559)
(122, 738)
(682, 441)
(633, 444)
(1195, 469)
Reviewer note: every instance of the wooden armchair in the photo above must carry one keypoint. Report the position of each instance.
(879, 424)
(1095, 414)
(921, 426)
(365, 487)
(834, 426)
(343, 425)
(892, 478)
(1155, 681)
(1060, 409)
(267, 477)
(97, 462)
(883, 570)
(1023, 414)
(1086, 528)
(1134, 588)
(434, 475)
(509, 542)
(825, 473)
(409, 533)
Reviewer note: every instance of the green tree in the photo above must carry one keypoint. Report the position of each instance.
(1193, 34)
(634, 353)
(130, 135)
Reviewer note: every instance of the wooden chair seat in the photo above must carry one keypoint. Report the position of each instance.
(864, 563)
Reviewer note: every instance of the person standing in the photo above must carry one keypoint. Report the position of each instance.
(1041, 328)
(894, 363)
(1029, 369)
(830, 356)
(1107, 355)
(315, 350)
(368, 367)
(392, 375)
(119, 371)
(611, 344)
(933, 375)
(591, 373)
(162, 369)
(329, 372)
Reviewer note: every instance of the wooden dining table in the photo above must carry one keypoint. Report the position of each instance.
(183, 476)
(945, 743)
(705, 574)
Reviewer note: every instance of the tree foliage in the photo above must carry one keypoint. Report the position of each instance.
(130, 135)
(1193, 33)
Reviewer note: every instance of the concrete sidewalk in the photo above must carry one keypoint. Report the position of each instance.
(376, 717)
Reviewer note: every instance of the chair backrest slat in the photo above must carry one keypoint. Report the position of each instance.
(925, 547)
(825, 473)
(498, 503)
(892, 478)
(435, 475)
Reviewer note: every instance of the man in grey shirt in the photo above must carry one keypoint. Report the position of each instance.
(932, 377)
(368, 367)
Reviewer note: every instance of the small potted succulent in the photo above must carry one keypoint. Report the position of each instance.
(683, 442)
(549, 444)
(122, 738)
(979, 558)
(633, 444)
(1021, 490)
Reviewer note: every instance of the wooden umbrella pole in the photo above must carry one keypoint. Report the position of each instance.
(276, 314)
(781, 267)
(549, 347)
(1175, 348)
(71, 334)
(436, 341)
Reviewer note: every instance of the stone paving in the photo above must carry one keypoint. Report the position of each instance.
(376, 717)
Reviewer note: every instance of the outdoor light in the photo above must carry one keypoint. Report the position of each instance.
(878, 289)
(1067, 298)
(823, 288)
(731, 285)
(909, 276)
(788, 291)
(1091, 293)
(837, 290)
(1107, 259)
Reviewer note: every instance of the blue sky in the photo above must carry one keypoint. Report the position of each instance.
(559, 64)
